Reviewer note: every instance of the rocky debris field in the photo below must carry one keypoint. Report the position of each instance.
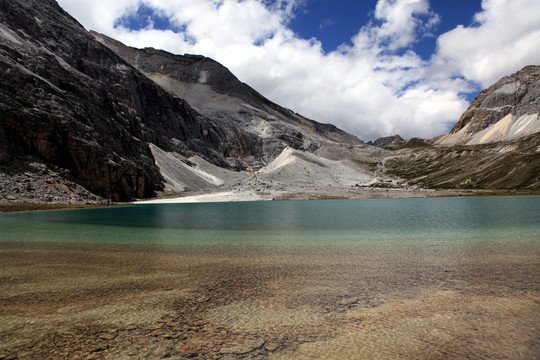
(35, 183)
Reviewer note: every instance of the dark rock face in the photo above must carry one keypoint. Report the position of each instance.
(518, 94)
(385, 141)
(67, 100)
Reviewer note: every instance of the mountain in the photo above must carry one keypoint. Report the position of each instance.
(130, 123)
(494, 145)
(387, 140)
(263, 127)
(507, 110)
(72, 103)
(85, 118)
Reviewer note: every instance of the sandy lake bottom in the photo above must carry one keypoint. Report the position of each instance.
(78, 301)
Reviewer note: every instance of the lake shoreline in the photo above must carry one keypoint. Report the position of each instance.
(235, 196)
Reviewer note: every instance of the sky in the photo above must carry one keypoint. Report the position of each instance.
(371, 67)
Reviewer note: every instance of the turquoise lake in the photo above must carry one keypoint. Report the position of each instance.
(305, 223)
(424, 278)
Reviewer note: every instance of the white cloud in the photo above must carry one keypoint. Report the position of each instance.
(376, 87)
(505, 38)
(401, 19)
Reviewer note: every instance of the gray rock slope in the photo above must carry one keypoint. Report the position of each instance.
(260, 128)
(507, 110)
(72, 103)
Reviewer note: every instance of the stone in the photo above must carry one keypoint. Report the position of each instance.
(348, 301)
(99, 348)
(187, 349)
(107, 336)
(271, 346)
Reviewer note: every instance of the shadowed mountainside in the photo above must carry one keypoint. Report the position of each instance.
(69, 101)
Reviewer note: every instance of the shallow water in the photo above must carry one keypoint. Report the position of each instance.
(358, 279)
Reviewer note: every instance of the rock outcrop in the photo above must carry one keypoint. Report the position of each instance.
(507, 110)
(387, 140)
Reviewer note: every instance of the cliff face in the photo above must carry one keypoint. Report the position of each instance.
(69, 101)
(507, 110)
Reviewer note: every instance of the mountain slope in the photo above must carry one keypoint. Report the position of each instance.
(494, 145)
(505, 165)
(263, 128)
(81, 109)
(77, 109)
(70, 102)
(507, 110)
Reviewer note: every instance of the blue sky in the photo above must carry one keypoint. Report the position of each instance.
(335, 22)
(371, 67)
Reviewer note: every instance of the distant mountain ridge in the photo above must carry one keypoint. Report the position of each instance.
(507, 110)
(387, 140)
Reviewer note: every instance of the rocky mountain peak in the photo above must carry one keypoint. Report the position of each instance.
(387, 140)
(261, 127)
(507, 110)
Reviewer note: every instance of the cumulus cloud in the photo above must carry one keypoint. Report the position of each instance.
(377, 86)
(504, 38)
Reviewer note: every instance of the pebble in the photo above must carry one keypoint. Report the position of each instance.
(271, 346)
(348, 301)
(100, 348)
(187, 349)
(106, 336)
